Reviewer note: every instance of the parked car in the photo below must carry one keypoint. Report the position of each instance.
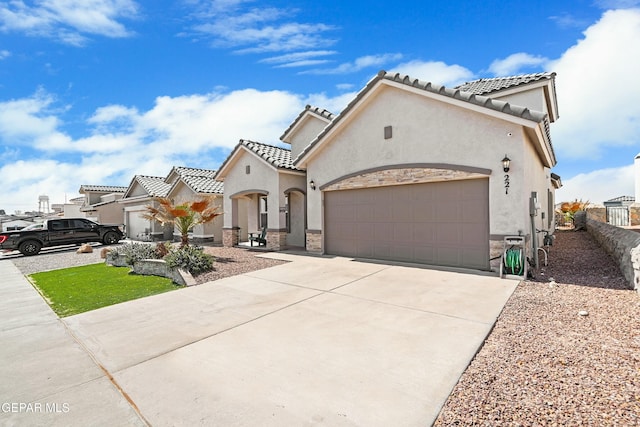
(57, 232)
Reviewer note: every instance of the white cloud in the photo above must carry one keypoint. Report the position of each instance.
(567, 20)
(617, 4)
(122, 141)
(297, 56)
(435, 71)
(597, 88)
(299, 59)
(597, 186)
(361, 63)
(514, 63)
(29, 121)
(4, 54)
(257, 30)
(68, 20)
(334, 105)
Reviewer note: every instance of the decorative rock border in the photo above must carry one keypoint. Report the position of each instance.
(154, 267)
(623, 245)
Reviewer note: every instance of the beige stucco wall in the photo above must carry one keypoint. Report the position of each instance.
(308, 128)
(426, 131)
(262, 177)
(533, 99)
(296, 208)
(111, 213)
(243, 211)
(536, 178)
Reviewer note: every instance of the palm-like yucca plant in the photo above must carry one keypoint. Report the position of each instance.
(184, 216)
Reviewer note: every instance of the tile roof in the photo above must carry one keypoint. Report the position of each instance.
(277, 156)
(308, 109)
(623, 199)
(153, 185)
(200, 180)
(185, 171)
(102, 188)
(464, 96)
(486, 86)
(201, 184)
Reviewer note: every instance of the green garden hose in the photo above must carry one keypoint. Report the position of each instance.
(513, 261)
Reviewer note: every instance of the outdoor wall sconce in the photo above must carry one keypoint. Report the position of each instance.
(312, 185)
(506, 163)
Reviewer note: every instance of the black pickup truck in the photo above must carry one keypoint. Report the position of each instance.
(57, 232)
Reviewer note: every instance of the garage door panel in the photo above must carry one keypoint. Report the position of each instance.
(448, 234)
(424, 233)
(381, 250)
(364, 249)
(402, 232)
(444, 223)
(402, 253)
(448, 256)
(400, 213)
(364, 213)
(471, 234)
(425, 253)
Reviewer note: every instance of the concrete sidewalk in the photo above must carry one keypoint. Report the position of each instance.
(47, 377)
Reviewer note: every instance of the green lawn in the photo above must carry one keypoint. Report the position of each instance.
(78, 289)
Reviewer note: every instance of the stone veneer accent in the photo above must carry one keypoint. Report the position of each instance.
(495, 250)
(276, 239)
(314, 241)
(401, 176)
(230, 237)
(623, 246)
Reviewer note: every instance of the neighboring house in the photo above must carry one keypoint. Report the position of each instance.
(72, 208)
(11, 222)
(142, 192)
(409, 171)
(262, 189)
(617, 210)
(622, 211)
(101, 203)
(189, 184)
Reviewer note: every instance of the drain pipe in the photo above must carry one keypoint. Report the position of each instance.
(533, 211)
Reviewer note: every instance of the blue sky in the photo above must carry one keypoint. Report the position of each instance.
(96, 91)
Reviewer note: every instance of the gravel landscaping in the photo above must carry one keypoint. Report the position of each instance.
(234, 261)
(545, 362)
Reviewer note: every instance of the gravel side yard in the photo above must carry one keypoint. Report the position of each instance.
(544, 364)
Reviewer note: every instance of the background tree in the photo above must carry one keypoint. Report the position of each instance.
(183, 216)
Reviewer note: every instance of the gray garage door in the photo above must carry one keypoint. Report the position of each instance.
(444, 223)
(137, 227)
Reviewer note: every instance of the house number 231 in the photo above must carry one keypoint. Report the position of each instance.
(506, 184)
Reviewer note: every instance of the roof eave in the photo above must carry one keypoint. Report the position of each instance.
(542, 144)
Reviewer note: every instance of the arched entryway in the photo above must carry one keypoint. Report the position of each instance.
(296, 217)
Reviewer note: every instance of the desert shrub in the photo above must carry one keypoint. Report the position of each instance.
(189, 258)
(162, 249)
(134, 252)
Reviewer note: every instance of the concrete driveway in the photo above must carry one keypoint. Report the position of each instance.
(317, 341)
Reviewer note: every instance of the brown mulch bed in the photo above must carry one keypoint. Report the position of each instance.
(234, 261)
(546, 364)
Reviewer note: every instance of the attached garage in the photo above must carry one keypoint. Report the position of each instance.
(439, 223)
(137, 227)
